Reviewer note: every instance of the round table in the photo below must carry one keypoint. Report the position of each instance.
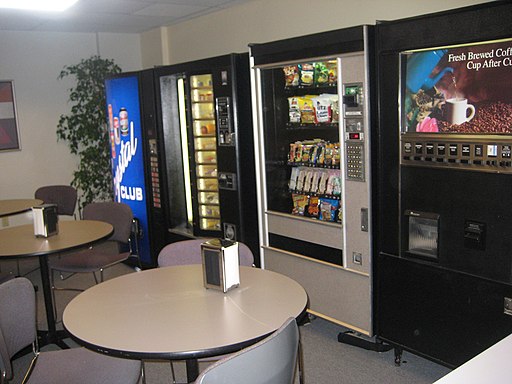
(167, 313)
(20, 241)
(15, 206)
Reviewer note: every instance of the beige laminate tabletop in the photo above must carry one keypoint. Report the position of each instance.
(14, 206)
(20, 241)
(167, 313)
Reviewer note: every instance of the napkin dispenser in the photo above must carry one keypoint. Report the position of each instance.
(220, 264)
(46, 220)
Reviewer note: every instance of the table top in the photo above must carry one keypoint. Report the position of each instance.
(490, 366)
(14, 206)
(20, 241)
(166, 313)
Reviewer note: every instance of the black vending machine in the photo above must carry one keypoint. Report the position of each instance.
(204, 119)
(443, 265)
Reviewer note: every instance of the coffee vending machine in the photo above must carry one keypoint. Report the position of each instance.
(444, 244)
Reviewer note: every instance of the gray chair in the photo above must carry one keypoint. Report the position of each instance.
(70, 366)
(64, 196)
(98, 258)
(273, 360)
(189, 252)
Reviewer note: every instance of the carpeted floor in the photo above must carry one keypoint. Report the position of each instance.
(325, 359)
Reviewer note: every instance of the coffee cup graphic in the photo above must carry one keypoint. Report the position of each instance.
(457, 111)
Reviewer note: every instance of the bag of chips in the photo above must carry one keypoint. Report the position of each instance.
(294, 109)
(291, 76)
(299, 204)
(328, 209)
(307, 111)
(307, 74)
(321, 74)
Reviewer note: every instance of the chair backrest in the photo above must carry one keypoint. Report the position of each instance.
(17, 319)
(270, 361)
(64, 196)
(189, 252)
(119, 215)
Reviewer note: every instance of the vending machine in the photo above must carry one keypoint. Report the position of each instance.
(312, 112)
(444, 265)
(204, 119)
(136, 160)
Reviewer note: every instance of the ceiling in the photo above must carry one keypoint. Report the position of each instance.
(117, 16)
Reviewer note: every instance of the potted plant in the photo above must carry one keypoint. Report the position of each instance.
(85, 128)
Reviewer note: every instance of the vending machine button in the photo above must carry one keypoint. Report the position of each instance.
(441, 149)
(479, 150)
(506, 151)
(466, 150)
(453, 150)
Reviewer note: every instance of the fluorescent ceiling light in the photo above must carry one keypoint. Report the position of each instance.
(38, 5)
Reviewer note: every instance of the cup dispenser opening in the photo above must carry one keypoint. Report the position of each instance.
(423, 234)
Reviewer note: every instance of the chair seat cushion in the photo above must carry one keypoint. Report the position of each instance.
(89, 260)
(82, 366)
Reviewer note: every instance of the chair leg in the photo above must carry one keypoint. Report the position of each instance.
(300, 363)
(172, 373)
(142, 373)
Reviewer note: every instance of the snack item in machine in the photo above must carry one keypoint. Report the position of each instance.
(307, 74)
(332, 72)
(322, 105)
(299, 204)
(328, 209)
(321, 73)
(293, 178)
(312, 210)
(291, 75)
(294, 109)
(307, 111)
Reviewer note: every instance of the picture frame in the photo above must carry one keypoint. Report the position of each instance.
(9, 132)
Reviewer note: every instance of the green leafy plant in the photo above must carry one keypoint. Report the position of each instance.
(85, 128)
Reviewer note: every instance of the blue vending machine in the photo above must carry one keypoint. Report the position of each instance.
(135, 160)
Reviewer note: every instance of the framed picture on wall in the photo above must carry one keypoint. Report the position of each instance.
(9, 135)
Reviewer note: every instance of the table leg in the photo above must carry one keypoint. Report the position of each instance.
(52, 336)
(192, 370)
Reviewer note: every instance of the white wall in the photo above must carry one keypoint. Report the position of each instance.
(34, 60)
(261, 21)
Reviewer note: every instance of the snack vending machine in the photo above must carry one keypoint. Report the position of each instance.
(136, 160)
(204, 116)
(444, 265)
(312, 111)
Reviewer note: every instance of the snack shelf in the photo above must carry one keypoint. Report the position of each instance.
(335, 197)
(331, 88)
(300, 164)
(333, 125)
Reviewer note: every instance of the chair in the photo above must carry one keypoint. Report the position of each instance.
(96, 259)
(189, 252)
(64, 196)
(273, 360)
(70, 366)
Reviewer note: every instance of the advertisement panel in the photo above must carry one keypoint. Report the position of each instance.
(125, 124)
(463, 89)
